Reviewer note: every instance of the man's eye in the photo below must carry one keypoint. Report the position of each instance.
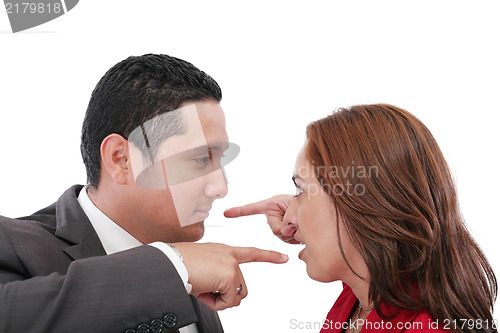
(203, 160)
(298, 190)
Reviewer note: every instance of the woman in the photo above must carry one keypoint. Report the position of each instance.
(377, 209)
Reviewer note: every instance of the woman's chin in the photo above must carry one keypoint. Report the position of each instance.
(319, 275)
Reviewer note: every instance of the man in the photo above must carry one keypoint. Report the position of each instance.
(99, 260)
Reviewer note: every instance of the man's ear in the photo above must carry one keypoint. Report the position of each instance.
(115, 158)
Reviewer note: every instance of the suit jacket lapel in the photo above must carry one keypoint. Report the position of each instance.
(89, 247)
(73, 226)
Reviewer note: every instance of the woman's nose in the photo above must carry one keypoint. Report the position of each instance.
(290, 222)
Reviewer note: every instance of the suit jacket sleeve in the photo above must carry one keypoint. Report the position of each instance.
(99, 294)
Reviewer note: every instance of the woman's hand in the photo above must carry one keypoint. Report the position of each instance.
(274, 208)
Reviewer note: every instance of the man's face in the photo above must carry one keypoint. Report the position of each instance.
(174, 196)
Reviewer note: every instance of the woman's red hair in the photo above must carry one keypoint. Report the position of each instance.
(403, 215)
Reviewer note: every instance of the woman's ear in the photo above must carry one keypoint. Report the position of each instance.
(115, 158)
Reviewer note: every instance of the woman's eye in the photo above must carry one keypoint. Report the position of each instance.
(203, 160)
(298, 191)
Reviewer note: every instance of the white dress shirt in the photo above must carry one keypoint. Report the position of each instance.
(115, 239)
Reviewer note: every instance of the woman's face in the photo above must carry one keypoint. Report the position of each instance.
(312, 213)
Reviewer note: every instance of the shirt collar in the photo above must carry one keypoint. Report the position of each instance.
(343, 307)
(112, 236)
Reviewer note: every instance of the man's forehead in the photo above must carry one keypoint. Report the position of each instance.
(203, 122)
(212, 120)
(192, 135)
(191, 126)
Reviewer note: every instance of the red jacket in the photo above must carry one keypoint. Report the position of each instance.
(405, 321)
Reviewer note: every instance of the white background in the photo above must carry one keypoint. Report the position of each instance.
(281, 64)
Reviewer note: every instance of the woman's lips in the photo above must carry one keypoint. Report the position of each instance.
(301, 243)
(301, 253)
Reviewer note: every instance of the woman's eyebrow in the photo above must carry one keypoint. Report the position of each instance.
(295, 177)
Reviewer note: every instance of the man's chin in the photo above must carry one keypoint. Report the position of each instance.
(193, 232)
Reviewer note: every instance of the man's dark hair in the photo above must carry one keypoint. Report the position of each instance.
(134, 91)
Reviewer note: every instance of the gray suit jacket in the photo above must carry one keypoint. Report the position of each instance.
(56, 277)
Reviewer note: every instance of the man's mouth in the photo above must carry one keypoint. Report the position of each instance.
(203, 213)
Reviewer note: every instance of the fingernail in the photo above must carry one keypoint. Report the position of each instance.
(284, 258)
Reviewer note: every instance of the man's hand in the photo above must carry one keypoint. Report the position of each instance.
(215, 274)
(274, 208)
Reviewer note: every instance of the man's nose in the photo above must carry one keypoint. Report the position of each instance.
(216, 186)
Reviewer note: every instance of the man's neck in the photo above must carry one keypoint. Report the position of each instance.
(111, 204)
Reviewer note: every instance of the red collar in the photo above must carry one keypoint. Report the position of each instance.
(341, 310)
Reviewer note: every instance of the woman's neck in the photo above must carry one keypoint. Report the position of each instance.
(361, 288)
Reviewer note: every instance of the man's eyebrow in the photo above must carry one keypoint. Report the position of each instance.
(200, 149)
(219, 146)
(208, 147)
